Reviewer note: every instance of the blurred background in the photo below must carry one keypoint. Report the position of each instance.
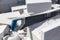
(5, 5)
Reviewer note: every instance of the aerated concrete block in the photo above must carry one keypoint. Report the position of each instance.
(9, 15)
(22, 9)
(46, 30)
(37, 6)
(4, 30)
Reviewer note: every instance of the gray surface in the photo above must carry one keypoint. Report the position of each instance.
(38, 7)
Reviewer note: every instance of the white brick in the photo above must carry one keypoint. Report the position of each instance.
(37, 6)
(46, 30)
(9, 15)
